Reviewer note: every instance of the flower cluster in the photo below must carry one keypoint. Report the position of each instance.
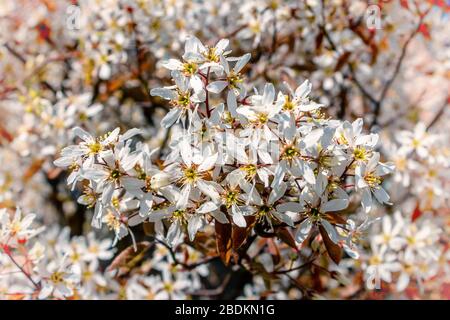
(261, 161)
(410, 250)
(50, 264)
(209, 165)
(422, 162)
(35, 273)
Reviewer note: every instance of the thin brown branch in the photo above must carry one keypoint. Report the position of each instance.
(27, 275)
(188, 266)
(306, 264)
(439, 114)
(398, 65)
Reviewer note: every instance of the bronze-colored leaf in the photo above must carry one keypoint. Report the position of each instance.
(274, 251)
(239, 235)
(319, 40)
(5, 134)
(129, 257)
(285, 236)
(223, 241)
(333, 249)
(336, 218)
(35, 166)
(149, 228)
(342, 61)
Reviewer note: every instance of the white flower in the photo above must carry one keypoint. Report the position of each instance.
(17, 228)
(361, 146)
(191, 174)
(380, 267)
(314, 205)
(160, 180)
(368, 180)
(297, 101)
(90, 147)
(233, 78)
(98, 249)
(58, 280)
(180, 96)
(418, 140)
(390, 235)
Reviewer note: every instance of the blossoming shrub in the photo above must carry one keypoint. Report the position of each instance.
(140, 162)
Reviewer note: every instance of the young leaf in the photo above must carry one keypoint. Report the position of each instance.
(285, 236)
(238, 234)
(223, 240)
(336, 218)
(129, 258)
(333, 249)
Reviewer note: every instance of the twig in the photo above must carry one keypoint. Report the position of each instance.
(24, 61)
(439, 114)
(334, 47)
(296, 268)
(36, 285)
(398, 65)
(15, 53)
(208, 111)
(188, 266)
(305, 291)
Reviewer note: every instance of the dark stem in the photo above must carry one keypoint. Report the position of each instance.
(37, 286)
(208, 111)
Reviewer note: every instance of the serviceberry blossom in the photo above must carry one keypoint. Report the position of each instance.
(275, 169)
(224, 149)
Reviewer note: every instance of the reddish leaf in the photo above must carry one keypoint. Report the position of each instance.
(5, 134)
(375, 51)
(44, 30)
(128, 258)
(336, 218)
(333, 249)
(223, 241)
(35, 166)
(404, 4)
(239, 235)
(342, 60)
(425, 31)
(319, 40)
(273, 250)
(286, 237)
(416, 213)
(318, 286)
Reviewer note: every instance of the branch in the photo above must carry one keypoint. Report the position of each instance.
(438, 115)
(208, 111)
(334, 47)
(296, 268)
(188, 266)
(35, 284)
(398, 65)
